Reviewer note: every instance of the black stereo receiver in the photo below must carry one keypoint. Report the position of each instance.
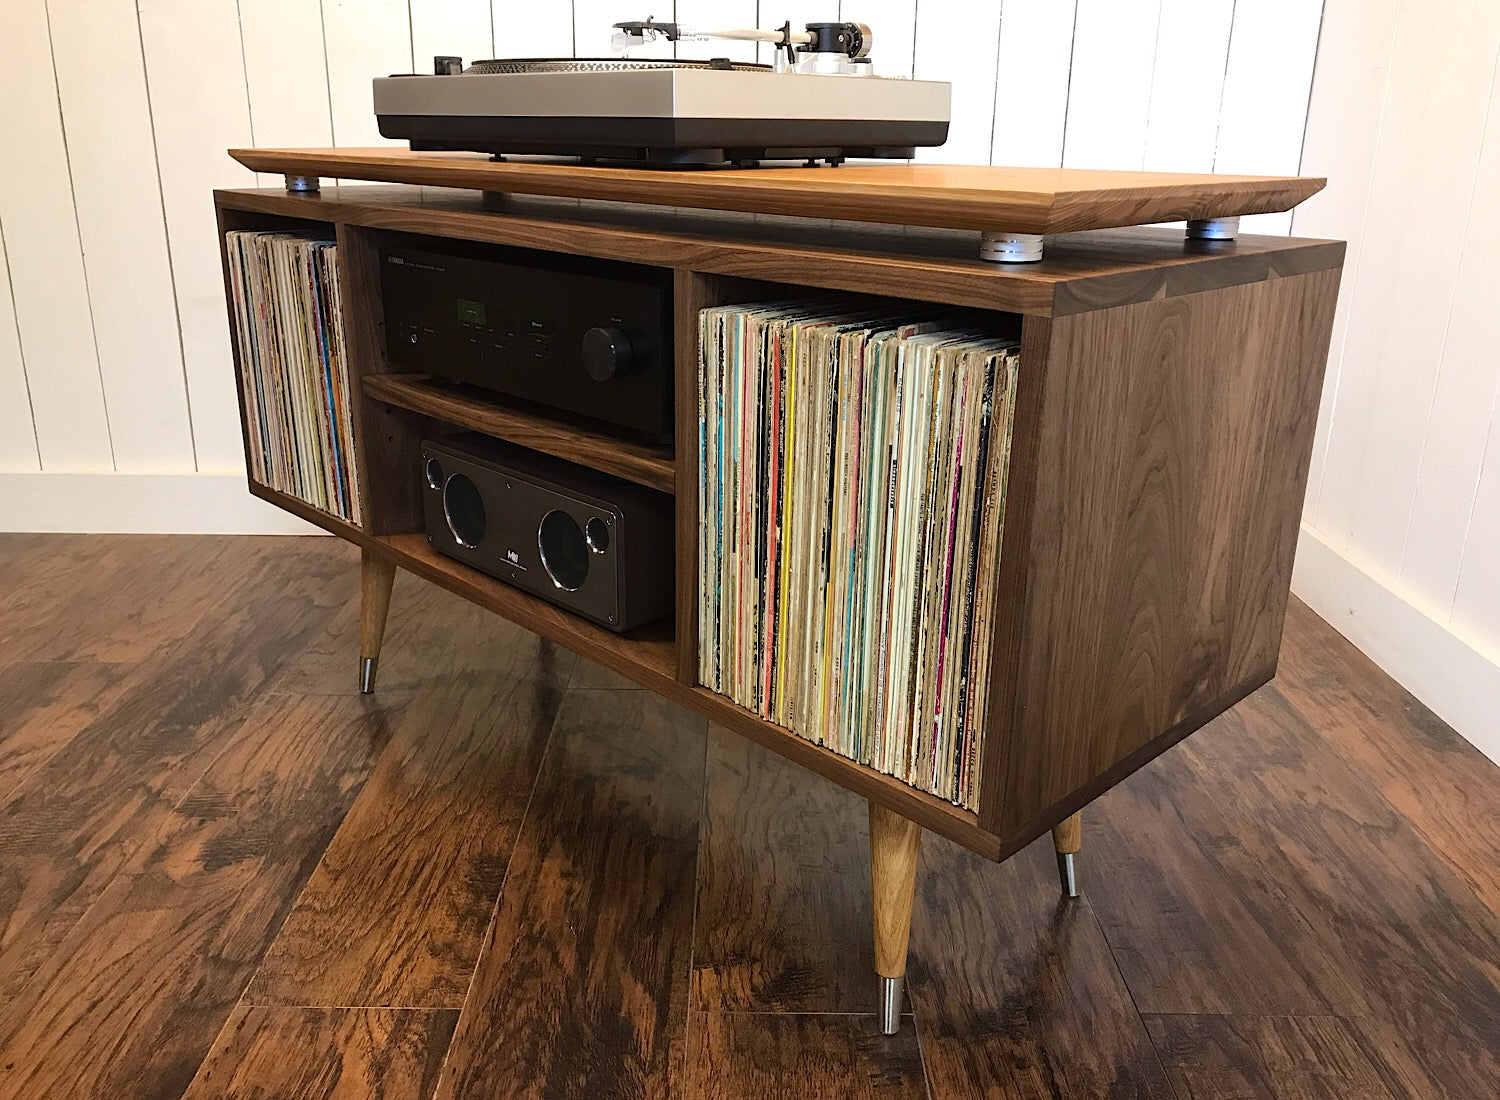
(590, 542)
(582, 335)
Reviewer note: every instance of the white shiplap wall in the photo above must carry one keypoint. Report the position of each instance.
(1401, 544)
(114, 352)
(116, 402)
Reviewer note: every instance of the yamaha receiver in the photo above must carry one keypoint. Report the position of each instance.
(582, 335)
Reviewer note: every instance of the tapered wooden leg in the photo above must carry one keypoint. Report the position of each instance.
(894, 841)
(376, 575)
(1067, 838)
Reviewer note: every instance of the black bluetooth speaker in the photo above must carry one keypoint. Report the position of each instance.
(590, 542)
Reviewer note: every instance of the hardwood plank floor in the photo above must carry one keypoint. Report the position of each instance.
(801, 1056)
(583, 986)
(397, 911)
(224, 874)
(328, 1053)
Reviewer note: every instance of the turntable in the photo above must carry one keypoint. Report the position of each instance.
(820, 100)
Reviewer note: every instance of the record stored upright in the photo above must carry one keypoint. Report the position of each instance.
(1166, 403)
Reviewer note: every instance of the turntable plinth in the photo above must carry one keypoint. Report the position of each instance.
(1010, 207)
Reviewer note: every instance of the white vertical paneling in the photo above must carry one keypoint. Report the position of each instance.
(1343, 125)
(894, 24)
(286, 76)
(46, 262)
(17, 436)
(451, 27)
(1109, 96)
(1468, 377)
(366, 39)
(1031, 82)
(713, 15)
(958, 42)
(531, 30)
(1272, 48)
(593, 28)
(118, 204)
(198, 105)
(1187, 85)
(1420, 198)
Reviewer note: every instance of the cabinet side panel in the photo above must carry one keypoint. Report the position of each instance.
(387, 440)
(1020, 500)
(1172, 461)
(691, 292)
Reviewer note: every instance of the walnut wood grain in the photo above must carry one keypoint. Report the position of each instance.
(583, 986)
(1213, 370)
(1022, 200)
(643, 463)
(387, 439)
(1176, 436)
(736, 1056)
(1285, 1057)
(1081, 271)
(325, 1054)
(1015, 991)
(691, 293)
(376, 575)
(397, 909)
(129, 1002)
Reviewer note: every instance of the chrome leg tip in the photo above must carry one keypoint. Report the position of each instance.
(1067, 873)
(367, 674)
(891, 990)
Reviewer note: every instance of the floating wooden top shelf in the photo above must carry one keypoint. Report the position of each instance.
(950, 196)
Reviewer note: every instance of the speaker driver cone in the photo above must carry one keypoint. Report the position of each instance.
(463, 508)
(565, 553)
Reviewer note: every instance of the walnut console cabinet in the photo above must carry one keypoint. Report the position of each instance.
(1168, 389)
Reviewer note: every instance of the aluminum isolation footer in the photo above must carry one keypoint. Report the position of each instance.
(891, 990)
(367, 674)
(1010, 248)
(1067, 873)
(1213, 229)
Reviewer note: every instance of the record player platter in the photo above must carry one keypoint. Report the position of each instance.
(820, 101)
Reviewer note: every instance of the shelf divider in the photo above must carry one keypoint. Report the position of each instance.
(645, 464)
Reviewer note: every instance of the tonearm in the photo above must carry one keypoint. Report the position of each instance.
(820, 48)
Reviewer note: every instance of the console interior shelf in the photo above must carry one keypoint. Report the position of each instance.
(645, 464)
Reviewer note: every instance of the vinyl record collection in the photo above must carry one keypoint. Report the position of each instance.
(853, 468)
(289, 325)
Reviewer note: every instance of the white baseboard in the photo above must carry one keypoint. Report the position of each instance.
(217, 504)
(1456, 675)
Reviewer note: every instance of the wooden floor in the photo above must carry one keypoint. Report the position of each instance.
(225, 874)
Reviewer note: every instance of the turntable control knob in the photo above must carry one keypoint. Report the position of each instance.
(606, 354)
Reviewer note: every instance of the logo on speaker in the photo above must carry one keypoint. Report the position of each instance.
(512, 557)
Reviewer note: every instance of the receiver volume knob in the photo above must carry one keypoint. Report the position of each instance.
(606, 354)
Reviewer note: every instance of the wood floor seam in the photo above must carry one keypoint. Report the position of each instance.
(536, 778)
(1134, 1004)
